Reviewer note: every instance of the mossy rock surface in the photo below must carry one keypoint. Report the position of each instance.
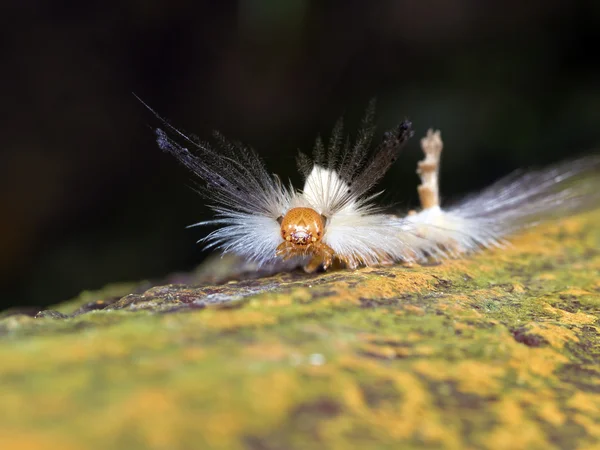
(497, 351)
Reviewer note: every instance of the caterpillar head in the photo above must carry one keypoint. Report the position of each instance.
(302, 226)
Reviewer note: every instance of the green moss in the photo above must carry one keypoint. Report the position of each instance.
(497, 351)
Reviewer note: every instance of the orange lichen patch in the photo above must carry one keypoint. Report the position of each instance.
(434, 370)
(280, 301)
(412, 309)
(532, 243)
(570, 226)
(485, 268)
(412, 416)
(384, 351)
(463, 327)
(151, 413)
(299, 295)
(557, 336)
(543, 404)
(589, 424)
(489, 293)
(231, 320)
(515, 430)
(569, 318)
(373, 337)
(542, 239)
(518, 288)
(546, 276)
(424, 350)
(531, 363)
(586, 403)
(462, 306)
(391, 339)
(534, 398)
(470, 376)
(44, 408)
(575, 292)
(368, 283)
(35, 440)
(458, 270)
(416, 416)
(551, 413)
(479, 378)
(283, 391)
(88, 349)
(267, 352)
(404, 281)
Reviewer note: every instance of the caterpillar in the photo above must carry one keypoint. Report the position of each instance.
(334, 220)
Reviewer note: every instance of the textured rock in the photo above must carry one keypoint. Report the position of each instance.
(501, 350)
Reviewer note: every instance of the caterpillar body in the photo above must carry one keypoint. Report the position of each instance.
(334, 218)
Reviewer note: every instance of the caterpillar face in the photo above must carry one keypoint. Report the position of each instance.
(302, 226)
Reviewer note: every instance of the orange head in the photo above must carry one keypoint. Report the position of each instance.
(302, 226)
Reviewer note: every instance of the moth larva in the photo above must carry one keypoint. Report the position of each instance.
(334, 218)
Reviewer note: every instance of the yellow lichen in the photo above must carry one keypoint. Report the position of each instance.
(498, 350)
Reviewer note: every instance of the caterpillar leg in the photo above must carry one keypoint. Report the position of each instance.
(429, 168)
(320, 253)
(322, 256)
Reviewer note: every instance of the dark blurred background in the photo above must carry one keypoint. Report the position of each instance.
(87, 198)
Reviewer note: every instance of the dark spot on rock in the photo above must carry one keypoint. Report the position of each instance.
(95, 305)
(547, 266)
(448, 397)
(442, 283)
(383, 273)
(322, 408)
(480, 324)
(506, 287)
(319, 294)
(523, 336)
(259, 443)
(50, 313)
(306, 419)
(580, 376)
(376, 302)
(232, 305)
(381, 356)
(183, 308)
(571, 305)
(380, 392)
(126, 301)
